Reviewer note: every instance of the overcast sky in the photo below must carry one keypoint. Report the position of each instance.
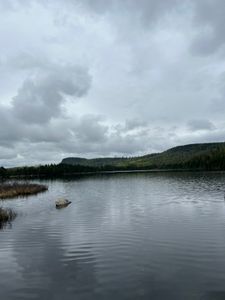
(97, 78)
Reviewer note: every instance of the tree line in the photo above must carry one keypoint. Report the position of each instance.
(209, 160)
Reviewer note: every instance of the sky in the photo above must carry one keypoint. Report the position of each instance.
(96, 78)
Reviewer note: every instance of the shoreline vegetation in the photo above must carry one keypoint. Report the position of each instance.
(11, 190)
(193, 157)
(6, 216)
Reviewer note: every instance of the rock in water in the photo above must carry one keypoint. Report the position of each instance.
(62, 203)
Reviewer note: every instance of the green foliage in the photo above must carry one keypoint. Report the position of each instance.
(189, 157)
(51, 170)
(2, 172)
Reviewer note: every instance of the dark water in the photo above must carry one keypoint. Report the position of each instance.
(125, 236)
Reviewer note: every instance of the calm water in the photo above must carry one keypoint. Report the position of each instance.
(125, 236)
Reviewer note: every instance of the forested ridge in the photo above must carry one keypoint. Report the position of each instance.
(210, 156)
(205, 156)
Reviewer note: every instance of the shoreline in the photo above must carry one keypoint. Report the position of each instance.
(33, 176)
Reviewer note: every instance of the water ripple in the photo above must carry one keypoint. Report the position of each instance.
(130, 236)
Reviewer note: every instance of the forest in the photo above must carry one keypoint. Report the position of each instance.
(196, 157)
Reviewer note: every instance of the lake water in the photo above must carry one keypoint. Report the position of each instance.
(125, 236)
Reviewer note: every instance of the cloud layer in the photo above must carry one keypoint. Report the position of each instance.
(98, 78)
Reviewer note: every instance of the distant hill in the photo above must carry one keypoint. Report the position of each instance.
(195, 157)
(192, 156)
(95, 162)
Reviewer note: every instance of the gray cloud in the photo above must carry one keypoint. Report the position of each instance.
(133, 124)
(40, 98)
(209, 16)
(98, 78)
(147, 10)
(196, 125)
(89, 129)
(7, 153)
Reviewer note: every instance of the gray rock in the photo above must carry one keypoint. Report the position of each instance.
(62, 203)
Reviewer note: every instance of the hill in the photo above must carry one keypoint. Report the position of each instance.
(95, 162)
(196, 157)
(192, 156)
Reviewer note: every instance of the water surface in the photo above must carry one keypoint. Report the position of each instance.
(125, 236)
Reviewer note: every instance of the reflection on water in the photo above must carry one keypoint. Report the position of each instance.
(125, 236)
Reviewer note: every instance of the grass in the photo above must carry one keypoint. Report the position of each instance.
(10, 190)
(6, 215)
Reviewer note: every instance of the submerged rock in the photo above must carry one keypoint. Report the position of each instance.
(62, 203)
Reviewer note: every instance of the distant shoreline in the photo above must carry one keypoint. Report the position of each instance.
(187, 158)
(73, 174)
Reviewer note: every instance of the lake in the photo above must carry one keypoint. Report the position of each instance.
(125, 236)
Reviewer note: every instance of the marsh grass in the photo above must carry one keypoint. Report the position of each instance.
(11, 190)
(6, 216)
